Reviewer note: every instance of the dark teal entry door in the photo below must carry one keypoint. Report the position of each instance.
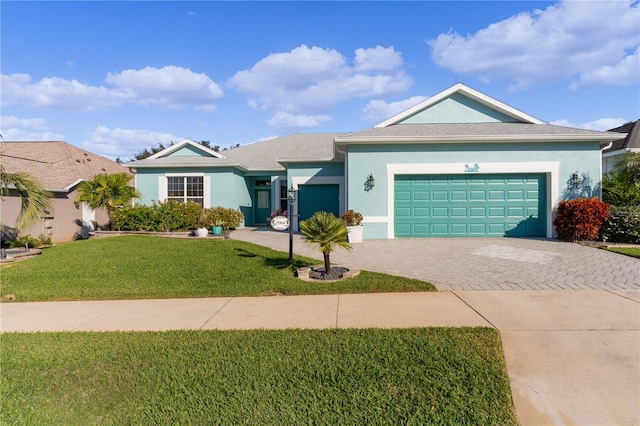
(512, 205)
(262, 209)
(314, 198)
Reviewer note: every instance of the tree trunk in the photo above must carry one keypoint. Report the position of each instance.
(327, 263)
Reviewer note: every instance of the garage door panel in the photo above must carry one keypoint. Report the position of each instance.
(490, 205)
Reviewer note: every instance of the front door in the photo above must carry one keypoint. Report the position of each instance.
(262, 210)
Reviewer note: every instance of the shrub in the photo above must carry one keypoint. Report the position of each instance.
(226, 217)
(161, 217)
(351, 218)
(21, 241)
(623, 226)
(580, 219)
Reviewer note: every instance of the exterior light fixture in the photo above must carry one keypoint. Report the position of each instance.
(370, 183)
(574, 180)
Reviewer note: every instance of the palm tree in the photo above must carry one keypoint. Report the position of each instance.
(35, 201)
(107, 191)
(621, 186)
(328, 231)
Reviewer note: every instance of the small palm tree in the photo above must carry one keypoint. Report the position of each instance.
(107, 191)
(35, 200)
(328, 231)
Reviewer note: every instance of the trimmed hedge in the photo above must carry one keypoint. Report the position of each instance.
(580, 219)
(161, 217)
(623, 226)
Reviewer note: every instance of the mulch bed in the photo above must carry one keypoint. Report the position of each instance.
(336, 273)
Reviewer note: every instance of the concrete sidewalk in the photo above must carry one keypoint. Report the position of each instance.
(573, 357)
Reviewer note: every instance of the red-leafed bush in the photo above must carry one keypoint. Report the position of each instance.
(580, 219)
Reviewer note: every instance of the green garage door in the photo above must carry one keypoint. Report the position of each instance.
(313, 198)
(511, 205)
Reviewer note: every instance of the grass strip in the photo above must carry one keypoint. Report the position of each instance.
(393, 376)
(627, 251)
(146, 267)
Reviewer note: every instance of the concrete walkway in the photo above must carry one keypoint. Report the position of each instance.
(573, 356)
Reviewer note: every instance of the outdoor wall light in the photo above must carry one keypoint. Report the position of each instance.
(370, 183)
(574, 180)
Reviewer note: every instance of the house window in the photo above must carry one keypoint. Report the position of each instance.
(284, 195)
(186, 188)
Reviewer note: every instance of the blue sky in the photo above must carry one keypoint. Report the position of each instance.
(116, 77)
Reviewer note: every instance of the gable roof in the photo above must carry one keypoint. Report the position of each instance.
(58, 166)
(631, 142)
(469, 93)
(476, 133)
(268, 155)
(182, 144)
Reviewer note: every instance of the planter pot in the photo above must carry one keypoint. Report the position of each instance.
(202, 232)
(355, 233)
(217, 230)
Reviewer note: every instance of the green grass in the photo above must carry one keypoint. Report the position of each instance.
(139, 267)
(628, 251)
(354, 377)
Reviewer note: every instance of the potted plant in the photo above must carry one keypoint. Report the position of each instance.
(217, 226)
(353, 222)
(202, 225)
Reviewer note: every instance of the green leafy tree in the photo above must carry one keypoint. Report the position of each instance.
(621, 186)
(328, 231)
(107, 191)
(35, 201)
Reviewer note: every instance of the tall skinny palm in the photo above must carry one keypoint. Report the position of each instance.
(107, 192)
(328, 231)
(35, 201)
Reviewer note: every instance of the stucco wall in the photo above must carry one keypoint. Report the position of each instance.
(559, 161)
(63, 224)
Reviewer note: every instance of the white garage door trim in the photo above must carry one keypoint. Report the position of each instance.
(551, 168)
(317, 180)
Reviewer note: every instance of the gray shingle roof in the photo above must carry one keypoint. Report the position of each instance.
(632, 141)
(476, 131)
(300, 147)
(56, 165)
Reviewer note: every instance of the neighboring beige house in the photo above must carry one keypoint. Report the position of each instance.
(59, 167)
(631, 143)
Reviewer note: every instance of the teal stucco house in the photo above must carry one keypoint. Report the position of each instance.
(459, 163)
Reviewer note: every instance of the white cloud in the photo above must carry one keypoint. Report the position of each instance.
(124, 143)
(313, 80)
(27, 129)
(378, 110)
(377, 59)
(285, 120)
(599, 124)
(53, 92)
(624, 73)
(170, 86)
(560, 42)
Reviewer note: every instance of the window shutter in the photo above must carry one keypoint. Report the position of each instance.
(162, 188)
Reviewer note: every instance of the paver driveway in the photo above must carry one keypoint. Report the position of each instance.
(476, 263)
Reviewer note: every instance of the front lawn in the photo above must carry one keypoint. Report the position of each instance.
(286, 377)
(146, 267)
(628, 251)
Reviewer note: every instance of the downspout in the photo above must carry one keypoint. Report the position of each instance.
(609, 145)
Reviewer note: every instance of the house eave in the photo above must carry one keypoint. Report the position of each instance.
(377, 140)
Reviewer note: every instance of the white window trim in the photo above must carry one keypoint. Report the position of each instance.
(163, 186)
(551, 169)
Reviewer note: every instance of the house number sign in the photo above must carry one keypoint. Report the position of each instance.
(280, 223)
(471, 169)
